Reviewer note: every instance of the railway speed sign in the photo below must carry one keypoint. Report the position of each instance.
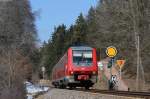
(111, 51)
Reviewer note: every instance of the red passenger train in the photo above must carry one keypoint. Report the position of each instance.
(77, 68)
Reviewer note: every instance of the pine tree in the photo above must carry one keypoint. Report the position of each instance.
(80, 30)
(54, 49)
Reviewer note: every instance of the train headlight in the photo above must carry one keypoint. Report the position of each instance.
(94, 72)
(72, 72)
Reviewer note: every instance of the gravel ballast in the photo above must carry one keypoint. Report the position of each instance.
(71, 94)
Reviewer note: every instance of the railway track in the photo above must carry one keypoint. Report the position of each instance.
(145, 95)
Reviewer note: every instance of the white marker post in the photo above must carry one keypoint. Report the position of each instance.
(43, 71)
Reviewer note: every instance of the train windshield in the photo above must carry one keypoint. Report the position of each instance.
(82, 58)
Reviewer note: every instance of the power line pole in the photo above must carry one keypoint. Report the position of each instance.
(136, 21)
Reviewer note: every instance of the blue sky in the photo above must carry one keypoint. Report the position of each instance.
(56, 12)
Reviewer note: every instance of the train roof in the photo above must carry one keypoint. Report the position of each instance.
(81, 48)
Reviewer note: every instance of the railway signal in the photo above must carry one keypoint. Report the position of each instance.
(109, 64)
(111, 52)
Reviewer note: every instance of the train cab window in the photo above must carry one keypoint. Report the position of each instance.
(82, 58)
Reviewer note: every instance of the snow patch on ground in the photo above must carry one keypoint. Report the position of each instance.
(32, 89)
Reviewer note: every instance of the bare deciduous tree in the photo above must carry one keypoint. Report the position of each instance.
(17, 43)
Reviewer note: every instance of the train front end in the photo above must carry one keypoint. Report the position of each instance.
(82, 67)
